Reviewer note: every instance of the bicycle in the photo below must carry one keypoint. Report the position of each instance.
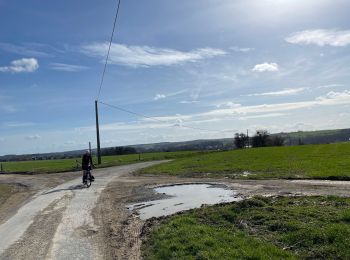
(88, 178)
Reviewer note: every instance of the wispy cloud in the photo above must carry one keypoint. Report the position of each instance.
(188, 101)
(240, 49)
(26, 49)
(145, 56)
(331, 86)
(67, 67)
(330, 99)
(321, 37)
(169, 95)
(32, 137)
(268, 115)
(228, 105)
(159, 96)
(284, 92)
(273, 67)
(21, 65)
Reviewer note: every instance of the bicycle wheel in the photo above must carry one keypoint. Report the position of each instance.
(88, 182)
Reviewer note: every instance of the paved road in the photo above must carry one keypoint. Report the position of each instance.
(58, 223)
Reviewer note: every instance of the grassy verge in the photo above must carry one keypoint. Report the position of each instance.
(47, 166)
(329, 161)
(259, 228)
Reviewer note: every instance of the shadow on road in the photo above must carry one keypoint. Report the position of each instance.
(74, 187)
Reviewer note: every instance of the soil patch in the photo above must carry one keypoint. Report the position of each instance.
(123, 230)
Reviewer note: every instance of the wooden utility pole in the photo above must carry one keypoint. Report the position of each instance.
(97, 135)
(248, 143)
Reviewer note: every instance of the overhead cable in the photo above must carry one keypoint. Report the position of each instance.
(109, 48)
(156, 119)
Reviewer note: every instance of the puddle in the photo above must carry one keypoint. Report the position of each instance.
(183, 197)
(246, 173)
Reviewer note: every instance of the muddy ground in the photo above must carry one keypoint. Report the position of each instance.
(122, 229)
(27, 186)
(119, 230)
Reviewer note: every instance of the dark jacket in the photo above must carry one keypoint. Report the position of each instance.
(86, 162)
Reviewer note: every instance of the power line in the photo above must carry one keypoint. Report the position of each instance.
(109, 48)
(154, 118)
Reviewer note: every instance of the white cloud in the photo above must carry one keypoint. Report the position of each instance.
(285, 92)
(67, 67)
(266, 67)
(239, 49)
(22, 65)
(188, 101)
(33, 137)
(330, 86)
(321, 37)
(268, 115)
(330, 99)
(169, 95)
(228, 105)
(159, 96)
(145, 56)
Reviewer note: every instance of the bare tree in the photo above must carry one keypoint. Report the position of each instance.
(261, 138)
(240, 140)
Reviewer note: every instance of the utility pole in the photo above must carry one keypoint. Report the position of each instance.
(97, 135)
(90, 147)
(247, 139)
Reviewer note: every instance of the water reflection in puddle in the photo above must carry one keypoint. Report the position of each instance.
(183, 197)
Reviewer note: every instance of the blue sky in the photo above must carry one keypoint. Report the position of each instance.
(217, 66)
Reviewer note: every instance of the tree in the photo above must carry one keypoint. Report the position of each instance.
(277, 140)
(261, 138)
(240, 140)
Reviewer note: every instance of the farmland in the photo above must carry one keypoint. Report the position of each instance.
(326, 161)
(49, 166)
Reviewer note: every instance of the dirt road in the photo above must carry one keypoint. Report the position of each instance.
(71, 222)
(57, 223)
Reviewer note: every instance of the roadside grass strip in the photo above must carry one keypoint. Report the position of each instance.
(258, 228)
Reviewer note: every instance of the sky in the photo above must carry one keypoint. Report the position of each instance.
(196, 69)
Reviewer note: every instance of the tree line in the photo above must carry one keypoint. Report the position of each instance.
(261, 138)
(119, 150)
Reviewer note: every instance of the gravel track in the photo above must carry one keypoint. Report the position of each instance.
(57, 223)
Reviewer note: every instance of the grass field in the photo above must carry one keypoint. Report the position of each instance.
(328, 161)
(45, 166)
(259, 228)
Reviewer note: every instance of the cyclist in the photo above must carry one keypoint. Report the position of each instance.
(86, 164)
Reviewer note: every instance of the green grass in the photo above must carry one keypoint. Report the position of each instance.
(327, 161)
(47, 166)
(259, 228)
